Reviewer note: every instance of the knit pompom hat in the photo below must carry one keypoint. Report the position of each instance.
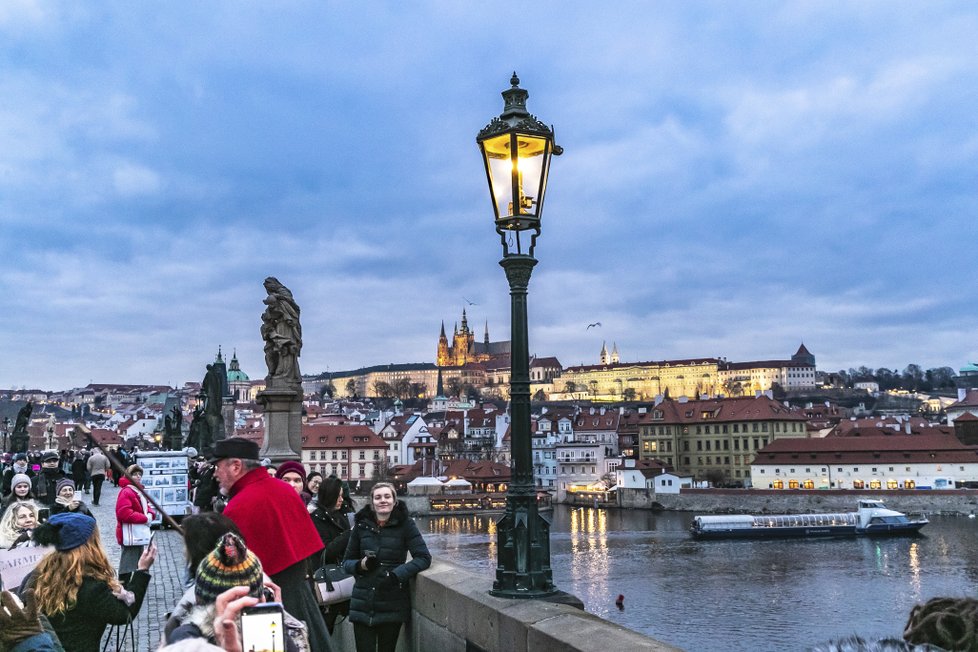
(65, 531)
(20, 478)
(230, 564)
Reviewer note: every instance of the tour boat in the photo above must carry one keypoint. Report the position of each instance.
(872, 518)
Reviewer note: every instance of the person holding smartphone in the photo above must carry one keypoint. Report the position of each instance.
(230, 564)
(382, 536)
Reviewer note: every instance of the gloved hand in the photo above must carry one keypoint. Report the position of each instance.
(370, 563)
(388, 580)
(16, 623)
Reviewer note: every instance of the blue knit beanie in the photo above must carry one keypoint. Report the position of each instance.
(65, 531)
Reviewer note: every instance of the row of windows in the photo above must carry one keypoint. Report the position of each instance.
(724, 428)
(573, 470)
(855, 469)
(856, 484)
(341, 455)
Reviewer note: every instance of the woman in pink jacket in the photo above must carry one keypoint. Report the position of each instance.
(130, 507)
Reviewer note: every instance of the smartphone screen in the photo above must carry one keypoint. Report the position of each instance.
(263, 628)
(43, 514)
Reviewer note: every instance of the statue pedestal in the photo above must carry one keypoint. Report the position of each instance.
(283, 424)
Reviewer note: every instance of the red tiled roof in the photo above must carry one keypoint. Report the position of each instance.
(320, 436)
(898, 449)
(970, 400)
(748, 409)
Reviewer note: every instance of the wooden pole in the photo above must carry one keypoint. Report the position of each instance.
(117, 467)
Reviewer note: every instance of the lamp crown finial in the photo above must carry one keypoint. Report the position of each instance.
(514, 80)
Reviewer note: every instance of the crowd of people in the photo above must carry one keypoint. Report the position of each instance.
(259, 534)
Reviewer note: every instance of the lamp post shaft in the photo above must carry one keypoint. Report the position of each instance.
(523, 534)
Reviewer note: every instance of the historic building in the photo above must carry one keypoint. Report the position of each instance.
(637, 381)
(465, 349)
(898, 461)
(351, 452)
(748, 378)
(715, 439)
(238, 381)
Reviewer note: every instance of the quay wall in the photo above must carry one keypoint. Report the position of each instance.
(765, 501)
(453, 612)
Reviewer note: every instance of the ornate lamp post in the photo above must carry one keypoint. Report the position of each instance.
(6, 430)
(516, 148)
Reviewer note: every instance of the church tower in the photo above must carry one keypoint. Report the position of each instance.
(443, 359)
(614, 354)
(604, 354)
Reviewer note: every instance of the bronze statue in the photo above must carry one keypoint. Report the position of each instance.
(174, 429)
(20, 439)
(282, 332)
(196, 425)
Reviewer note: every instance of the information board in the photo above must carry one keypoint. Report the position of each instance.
(165, 480)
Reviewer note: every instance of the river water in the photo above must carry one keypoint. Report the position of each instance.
(706, 596)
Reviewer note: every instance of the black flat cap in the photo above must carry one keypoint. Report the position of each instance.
(239, 447)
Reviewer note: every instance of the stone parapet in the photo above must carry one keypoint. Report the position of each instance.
(453, 612)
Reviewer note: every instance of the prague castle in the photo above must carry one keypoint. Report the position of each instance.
(465, 349)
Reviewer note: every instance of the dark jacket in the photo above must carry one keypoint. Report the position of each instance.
(376, 599)
(79, 468)
(334, 530)
(80, 628)
(9, 474)
(58, 508)
(46, 484)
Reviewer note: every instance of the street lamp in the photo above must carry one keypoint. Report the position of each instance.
(516, 149)
(6, 430)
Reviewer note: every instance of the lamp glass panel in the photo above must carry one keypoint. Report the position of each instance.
(524, 172)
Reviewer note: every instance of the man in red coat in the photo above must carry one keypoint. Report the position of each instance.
(276, 526)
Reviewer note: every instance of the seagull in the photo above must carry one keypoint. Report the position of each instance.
(589, 326)
(471, 303)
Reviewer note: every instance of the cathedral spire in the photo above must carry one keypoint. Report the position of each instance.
(465, 322)
(219, 358)
(440, 391)
(442, 328)
(487, 336)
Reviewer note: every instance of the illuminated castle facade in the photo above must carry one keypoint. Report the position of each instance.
(464, 349)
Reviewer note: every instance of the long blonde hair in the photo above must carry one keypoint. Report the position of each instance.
(8, 525)
(59, 575)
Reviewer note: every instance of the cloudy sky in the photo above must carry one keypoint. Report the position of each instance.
(737, 178)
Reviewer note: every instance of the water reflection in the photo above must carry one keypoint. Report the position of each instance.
(723, 595)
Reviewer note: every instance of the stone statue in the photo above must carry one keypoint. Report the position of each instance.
(174, 433)
(282, 332)
(20, 439)
(212, 421)
(196, 425)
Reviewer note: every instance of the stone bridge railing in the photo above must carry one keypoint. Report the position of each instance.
(453, 612)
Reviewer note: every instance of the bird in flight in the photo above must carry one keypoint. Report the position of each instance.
(471, 303)
(589, 326)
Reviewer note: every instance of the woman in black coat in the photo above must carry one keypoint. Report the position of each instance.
(330, 519)
(382, 536)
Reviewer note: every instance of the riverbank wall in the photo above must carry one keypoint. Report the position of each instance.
(764, 501)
